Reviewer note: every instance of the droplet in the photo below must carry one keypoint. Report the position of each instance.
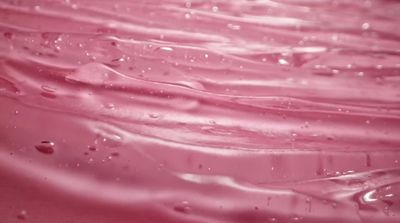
(92, 148)
(183, 207)
(335, 38)
(154, 115)
(283, 62)
(365, 26)
(166, 48)
(187, 16)
(22, 215)
(110, 106)
(296, 218)
(45, 147)
(360, 74)
(273, 220)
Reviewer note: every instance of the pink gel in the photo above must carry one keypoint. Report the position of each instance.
(217, 111)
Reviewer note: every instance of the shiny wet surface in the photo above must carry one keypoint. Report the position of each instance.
(200, 111)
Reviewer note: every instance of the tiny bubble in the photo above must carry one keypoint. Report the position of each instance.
(45, 147)
(283, 62)
(92, 148)
(22, 215)
(365, 26)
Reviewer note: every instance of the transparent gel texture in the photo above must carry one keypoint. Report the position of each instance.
(201, 111)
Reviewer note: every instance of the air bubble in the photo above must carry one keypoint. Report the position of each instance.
(22, 215)
(365, 26)
(183, 207)
(45, 147)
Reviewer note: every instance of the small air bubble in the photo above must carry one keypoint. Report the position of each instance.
(154, 115)
(183, 207)
(296, 218)
(22, 215)
(283, 62)
(121, 59)
(166, 48)
(365, 26)
(109, 106)
(92, 148)
(45, 147)
(273, 220)
(335, 71)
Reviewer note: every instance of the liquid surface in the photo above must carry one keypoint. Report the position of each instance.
(200, 111)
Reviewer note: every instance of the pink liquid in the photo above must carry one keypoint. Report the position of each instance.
(227, 111)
